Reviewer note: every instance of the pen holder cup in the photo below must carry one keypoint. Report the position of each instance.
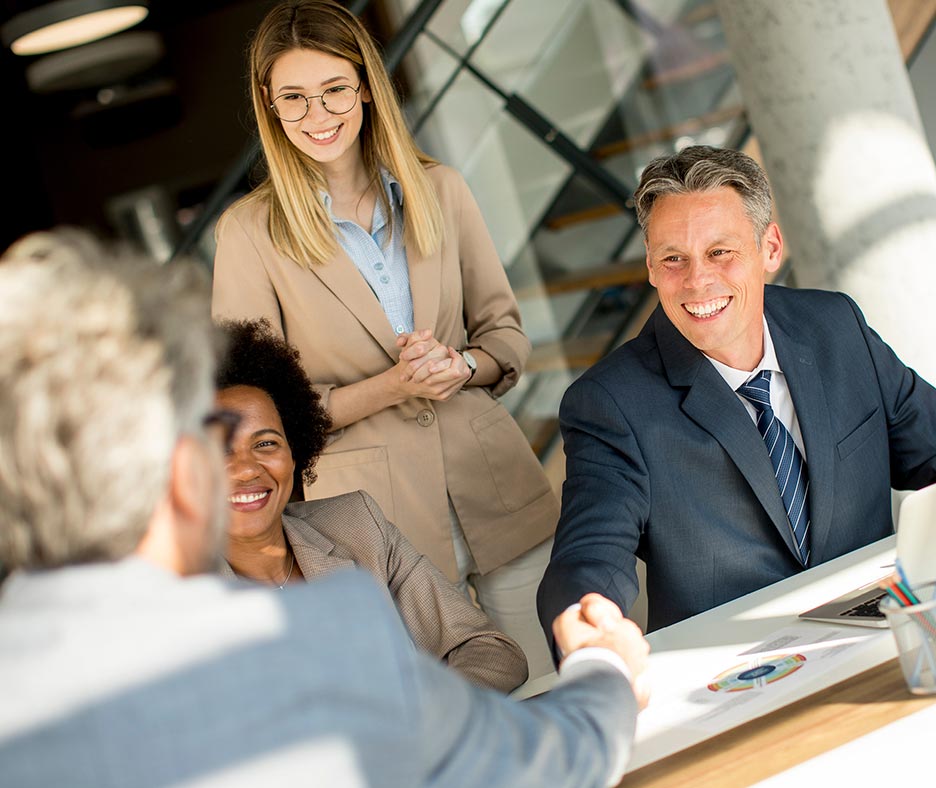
(914, 629)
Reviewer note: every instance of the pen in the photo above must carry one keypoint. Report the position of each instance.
(904, 583)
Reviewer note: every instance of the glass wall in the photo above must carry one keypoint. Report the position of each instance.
(550, 109)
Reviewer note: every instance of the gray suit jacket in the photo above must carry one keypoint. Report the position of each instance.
(124, 675)
(663, 462)
(350, 530)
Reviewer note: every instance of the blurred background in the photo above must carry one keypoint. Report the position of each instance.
(550, 108)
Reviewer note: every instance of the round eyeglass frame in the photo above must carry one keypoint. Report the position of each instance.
(320, 97)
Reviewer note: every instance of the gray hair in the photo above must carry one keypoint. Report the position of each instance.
(105, 360)
(700, 168)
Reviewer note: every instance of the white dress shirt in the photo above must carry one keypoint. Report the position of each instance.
(780, 399)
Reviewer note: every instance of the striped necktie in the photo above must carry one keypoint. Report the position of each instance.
(788, 464)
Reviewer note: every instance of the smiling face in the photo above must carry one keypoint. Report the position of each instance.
(331, 140)
(260, 465)
(709, 272)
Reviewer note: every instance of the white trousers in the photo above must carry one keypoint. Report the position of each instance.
(508, 595)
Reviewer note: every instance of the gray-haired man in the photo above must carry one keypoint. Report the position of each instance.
(120, 666)
(747, 432)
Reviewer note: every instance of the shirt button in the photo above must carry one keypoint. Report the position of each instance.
(425, 417)
(378, 266)
(399, 329)
(385, 279)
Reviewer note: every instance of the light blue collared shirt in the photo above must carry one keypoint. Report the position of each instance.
(380, 255)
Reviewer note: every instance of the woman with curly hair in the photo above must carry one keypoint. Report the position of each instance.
(282, 430)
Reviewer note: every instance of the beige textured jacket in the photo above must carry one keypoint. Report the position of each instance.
(350, 530)
(408, 456)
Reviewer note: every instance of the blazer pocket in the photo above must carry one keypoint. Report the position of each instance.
(357, 469)
(857, 436)
(517, 473)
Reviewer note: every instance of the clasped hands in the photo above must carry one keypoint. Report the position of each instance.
(597, 622)
(428, 368)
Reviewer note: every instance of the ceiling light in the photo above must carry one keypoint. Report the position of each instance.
(67, 23)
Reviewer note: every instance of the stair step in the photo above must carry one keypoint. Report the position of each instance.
(686, 71)
(624, 272)
(701, 13)
(576, 353)
(666, 133)
(591, 214)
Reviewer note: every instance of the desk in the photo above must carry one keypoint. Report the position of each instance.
(769, 745)
(685, 657)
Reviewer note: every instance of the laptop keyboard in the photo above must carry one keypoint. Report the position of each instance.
(867, 609)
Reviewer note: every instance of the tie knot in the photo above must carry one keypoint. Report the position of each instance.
(757, 390)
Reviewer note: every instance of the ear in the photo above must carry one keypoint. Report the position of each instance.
(366, 97)
(772, 248)
(180, 537)
(190, 481)
(265, 93)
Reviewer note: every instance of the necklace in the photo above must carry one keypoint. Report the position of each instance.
(292, 561)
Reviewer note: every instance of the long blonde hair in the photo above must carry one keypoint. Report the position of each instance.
(299, 225)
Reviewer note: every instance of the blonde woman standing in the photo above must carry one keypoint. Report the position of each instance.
(375, 262)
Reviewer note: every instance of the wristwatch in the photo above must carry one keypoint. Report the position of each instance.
(471, 362)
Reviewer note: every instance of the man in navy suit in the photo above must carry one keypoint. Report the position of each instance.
(680, 444)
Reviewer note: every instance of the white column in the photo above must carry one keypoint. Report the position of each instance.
(830, 103)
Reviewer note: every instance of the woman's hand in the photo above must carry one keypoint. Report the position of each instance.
(429, 369)
(419, 348)
(426, 368)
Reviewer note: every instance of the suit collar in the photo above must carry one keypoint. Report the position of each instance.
(797, 360)
(425, 275)
(681, 360)
(345, 282)
(711, 403)
(314, 553)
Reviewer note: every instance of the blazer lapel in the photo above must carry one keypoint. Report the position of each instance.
(314, 553)
(712, 405)
(425, 275)
(812, 410)
(342, 278)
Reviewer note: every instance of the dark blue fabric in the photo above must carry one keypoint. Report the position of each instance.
(788, 465)
(663, 462)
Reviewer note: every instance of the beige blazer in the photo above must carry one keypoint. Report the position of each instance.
(408, 456)
(350, 530)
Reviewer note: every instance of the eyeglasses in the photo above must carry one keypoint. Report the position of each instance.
(293, 107)
(226, 421)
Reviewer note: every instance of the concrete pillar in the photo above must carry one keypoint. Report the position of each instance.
(830, 102)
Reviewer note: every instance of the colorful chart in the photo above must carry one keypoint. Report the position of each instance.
(754, 675)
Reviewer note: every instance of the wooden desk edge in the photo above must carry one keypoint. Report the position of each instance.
(777, 741)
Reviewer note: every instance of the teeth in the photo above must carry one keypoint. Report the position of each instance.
(247, 497)
(707, 309)
(324, 135)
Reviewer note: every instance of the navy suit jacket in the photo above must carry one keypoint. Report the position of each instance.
(663, 462)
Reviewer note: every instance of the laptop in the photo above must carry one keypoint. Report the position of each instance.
(916, 549)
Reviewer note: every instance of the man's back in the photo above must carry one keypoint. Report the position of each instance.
(125, 675)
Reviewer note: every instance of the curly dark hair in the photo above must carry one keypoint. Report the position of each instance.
(257, 357)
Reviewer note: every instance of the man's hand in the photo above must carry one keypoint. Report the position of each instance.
(597, 621)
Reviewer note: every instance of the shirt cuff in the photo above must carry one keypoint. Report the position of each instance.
(599, 654)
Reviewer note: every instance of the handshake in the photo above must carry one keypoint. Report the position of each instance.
(596, 622)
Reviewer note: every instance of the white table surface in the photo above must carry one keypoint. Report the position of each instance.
(897, 754)
(685, 656)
